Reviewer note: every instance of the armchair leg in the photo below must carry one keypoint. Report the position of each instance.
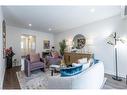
(27, 73)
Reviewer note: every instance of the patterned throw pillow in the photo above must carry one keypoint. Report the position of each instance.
(55, 54)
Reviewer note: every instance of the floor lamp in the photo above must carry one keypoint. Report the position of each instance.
(116, 77)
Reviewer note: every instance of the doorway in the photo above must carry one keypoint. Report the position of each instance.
(28, 44)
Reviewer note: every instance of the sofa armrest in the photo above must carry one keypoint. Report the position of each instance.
(57, 82)
(27, 67)
(44, 61)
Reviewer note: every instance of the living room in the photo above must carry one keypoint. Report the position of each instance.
(53, 24)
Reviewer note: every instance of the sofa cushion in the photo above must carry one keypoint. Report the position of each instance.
(71, 71)
(84, 65)
(83, 60)
(34, 58)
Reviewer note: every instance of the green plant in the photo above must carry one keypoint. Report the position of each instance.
(62, 47)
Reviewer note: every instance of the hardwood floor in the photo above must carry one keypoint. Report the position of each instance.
(10, 78)
(113, 84)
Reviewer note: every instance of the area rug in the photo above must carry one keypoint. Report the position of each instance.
(37, 80)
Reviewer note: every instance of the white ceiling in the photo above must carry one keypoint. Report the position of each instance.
(58, 18)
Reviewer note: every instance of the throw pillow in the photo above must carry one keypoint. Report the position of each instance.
(84, 65)
(55, 54)
(83, 60)
(70, 71)
(76, 64)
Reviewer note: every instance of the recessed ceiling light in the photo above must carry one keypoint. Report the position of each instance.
(22, 37)
(49, 29)
(30, 25)
(30, 36)
(92, 10)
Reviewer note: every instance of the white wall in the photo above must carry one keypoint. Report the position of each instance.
(97, 32)
(2, 62)
(14, 38)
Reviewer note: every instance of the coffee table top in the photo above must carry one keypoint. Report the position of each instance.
(58, 67)
(54, 66)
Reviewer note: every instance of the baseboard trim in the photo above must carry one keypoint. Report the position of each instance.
(2, 79)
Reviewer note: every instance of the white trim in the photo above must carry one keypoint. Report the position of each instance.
(2, 76)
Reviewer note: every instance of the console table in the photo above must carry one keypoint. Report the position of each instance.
(71, 57)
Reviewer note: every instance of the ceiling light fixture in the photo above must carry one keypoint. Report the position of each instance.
(92, 10)
(49, 29)
(30, 25)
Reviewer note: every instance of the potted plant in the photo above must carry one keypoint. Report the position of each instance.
(62, 47)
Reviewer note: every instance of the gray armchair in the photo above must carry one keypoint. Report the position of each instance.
(54, 59)
(33, 62)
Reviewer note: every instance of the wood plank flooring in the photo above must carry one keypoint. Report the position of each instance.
(113, 84)
(10, 78)
(11, 81)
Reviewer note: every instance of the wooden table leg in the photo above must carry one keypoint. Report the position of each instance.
(52, 72)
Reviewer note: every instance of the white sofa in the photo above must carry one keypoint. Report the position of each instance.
(92, 78)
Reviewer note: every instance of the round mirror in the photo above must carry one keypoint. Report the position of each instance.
(79, 41)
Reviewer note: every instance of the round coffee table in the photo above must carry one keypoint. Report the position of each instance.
(53, 68)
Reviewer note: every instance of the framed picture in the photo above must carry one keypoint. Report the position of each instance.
(46, 44)
(4, 37)
(81, 42)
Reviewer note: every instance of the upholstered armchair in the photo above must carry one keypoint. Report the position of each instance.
(54, 59)
(33, 62)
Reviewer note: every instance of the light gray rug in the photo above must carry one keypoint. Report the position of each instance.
(38, 79)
